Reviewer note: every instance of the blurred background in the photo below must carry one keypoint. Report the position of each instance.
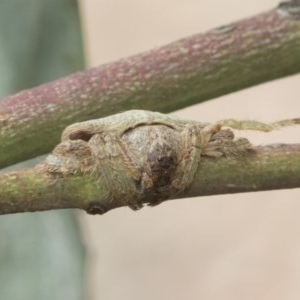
(242, 246)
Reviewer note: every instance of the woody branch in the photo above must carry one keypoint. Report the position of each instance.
(189, 71)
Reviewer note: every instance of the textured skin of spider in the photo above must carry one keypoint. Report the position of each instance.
(141, 156)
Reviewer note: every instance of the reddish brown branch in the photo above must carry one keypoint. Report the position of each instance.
(185, 72)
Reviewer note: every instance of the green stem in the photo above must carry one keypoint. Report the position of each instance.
(269, 168)
(272, 167)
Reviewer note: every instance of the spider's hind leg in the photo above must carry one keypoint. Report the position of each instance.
(259, 126)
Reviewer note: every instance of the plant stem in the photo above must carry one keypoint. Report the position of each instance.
(189, 71)
(272, 167)
(269, 168)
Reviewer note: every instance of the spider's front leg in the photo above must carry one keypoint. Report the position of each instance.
(115, 170)
(197, 140)
(189, 153)
(217, 142)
